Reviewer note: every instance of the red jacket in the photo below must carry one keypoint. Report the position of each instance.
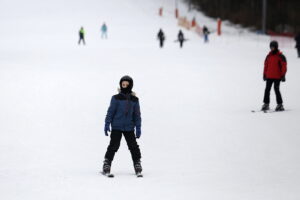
(275, 66)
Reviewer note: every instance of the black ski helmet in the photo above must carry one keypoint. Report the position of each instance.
(129, 79)
(274, 44)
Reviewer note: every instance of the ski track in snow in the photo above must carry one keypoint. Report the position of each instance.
(199, 138)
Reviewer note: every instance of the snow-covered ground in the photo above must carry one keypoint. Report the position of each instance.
(199, 138)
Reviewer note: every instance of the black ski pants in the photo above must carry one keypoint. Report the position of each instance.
(298, 49)
(81, 38)
(115, 139)
(161, 43)
(269, 84)
(181, 43)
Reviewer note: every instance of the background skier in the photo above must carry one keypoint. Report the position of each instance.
(180, 37)
(81, 36)
(161, 38)
(297, 38)
(205, 33)
(274, 71)
(104, 31)
(123, 116)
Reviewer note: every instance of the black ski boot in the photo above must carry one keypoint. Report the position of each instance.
(106, 167)
(138, 168)
(265, 107)
(279, 107)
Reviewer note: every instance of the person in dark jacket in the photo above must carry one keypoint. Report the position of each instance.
(180, 37)
(161, 37)
(81, 36)
(297, 38)
(124, 117)
(205, 33)
(274, 72)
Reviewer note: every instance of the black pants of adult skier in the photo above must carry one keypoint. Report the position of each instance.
(115, 139)
(276, 88)
(181, 43)
(161, 43)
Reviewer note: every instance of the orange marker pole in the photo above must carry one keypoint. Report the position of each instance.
(176, 13)
(194, 22)
(161, 11)
(219, 26)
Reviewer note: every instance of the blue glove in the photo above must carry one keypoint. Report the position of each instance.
(138, 133)
(106, 129)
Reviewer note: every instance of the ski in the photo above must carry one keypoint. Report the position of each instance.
(109, 175)
(269, 111)
(254, 111)
(183, 40)
(266, 111)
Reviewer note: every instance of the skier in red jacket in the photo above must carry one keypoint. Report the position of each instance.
(274, 72)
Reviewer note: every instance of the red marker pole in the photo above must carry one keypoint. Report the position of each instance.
(176, 9)
(194, 22)
(219, 26)
(161, 11)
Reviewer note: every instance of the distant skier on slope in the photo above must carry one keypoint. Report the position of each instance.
(123, 116)
(180, 38)
(205, 33)
(297, 38)
(104, 31)
(274, 71)
(81, 36)
(161, 37)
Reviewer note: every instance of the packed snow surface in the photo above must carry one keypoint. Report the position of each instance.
(199, 140)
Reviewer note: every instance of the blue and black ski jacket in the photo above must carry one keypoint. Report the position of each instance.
(124, 113)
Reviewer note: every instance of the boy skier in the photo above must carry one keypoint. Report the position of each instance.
(123, 116)
(274, 71)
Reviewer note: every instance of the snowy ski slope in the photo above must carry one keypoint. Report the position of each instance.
(199, 139)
